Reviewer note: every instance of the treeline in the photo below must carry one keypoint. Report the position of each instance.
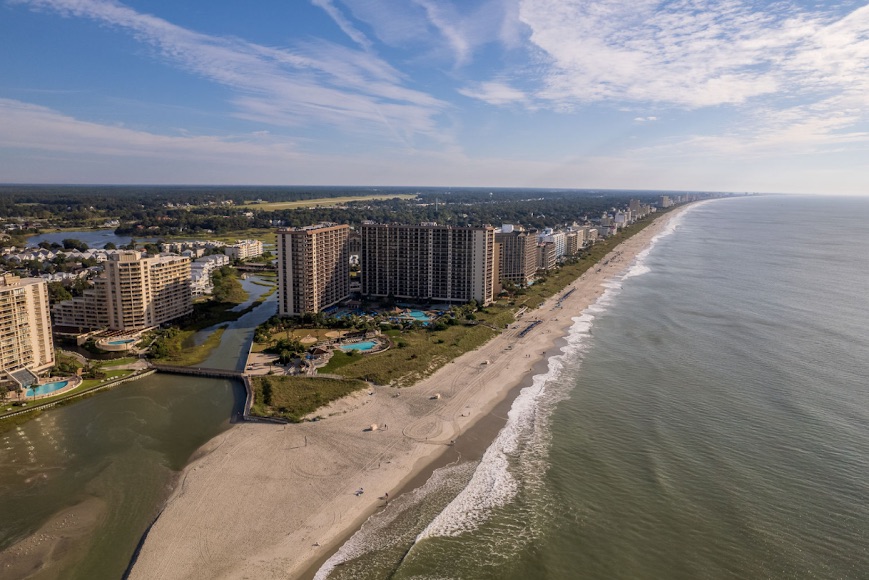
(146, 210)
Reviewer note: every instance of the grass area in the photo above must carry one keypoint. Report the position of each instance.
(414, 355)
(292, 398)
(116, 362)
(322, 202)
(86, 384)
(261, 283)
(184, 353)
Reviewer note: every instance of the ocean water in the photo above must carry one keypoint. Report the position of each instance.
(708, 418)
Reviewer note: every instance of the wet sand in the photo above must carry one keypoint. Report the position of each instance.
(271, 501)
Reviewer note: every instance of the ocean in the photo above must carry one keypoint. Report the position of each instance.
(708, 417)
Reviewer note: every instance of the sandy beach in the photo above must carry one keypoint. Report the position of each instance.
(269, 501)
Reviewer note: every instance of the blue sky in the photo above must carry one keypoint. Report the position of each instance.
(724, 95)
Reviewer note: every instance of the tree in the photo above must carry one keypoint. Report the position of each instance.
(110, 246)
(74, 244)
(57, 293)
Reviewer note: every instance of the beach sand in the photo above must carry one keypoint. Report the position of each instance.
(270, 501)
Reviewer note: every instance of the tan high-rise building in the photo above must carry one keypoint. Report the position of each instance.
(428, 262)
(133, 293)
(313, 268)
(518, 254)
(25, 325)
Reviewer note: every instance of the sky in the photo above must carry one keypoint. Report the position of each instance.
(704, 95)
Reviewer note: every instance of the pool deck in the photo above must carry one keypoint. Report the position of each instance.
(74, 381)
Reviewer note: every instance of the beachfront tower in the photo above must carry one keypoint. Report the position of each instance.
(25, 326)
(428, 262)
(313, 268)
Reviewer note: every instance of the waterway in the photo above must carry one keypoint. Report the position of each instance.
(80, 484)
(231, 354)
(93, 238)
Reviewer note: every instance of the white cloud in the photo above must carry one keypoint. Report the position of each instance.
(319, 82)
(28, 126)
(343, 23)
(689, 53)
(495, 93)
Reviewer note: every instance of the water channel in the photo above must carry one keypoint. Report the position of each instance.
(80, 484)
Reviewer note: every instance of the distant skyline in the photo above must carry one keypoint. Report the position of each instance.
(711, 95)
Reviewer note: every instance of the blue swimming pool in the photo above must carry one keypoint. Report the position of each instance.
(125, 341)
(365, 345)
(419, 315)
(46, 388)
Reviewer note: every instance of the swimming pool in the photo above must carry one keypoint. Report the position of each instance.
(365, 345)
(46, 388)
(419, 315)
(125, 341)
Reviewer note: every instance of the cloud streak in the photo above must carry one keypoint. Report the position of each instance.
(321, 82)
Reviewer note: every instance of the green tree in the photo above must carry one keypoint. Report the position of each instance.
(57, 293)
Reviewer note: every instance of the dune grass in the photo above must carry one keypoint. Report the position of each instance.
(292, 398)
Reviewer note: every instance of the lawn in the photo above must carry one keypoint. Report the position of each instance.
(414, 355)
(292, 398)
(322, 202)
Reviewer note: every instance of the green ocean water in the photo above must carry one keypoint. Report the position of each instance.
(708, 418)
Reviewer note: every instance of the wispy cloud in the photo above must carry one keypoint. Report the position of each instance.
(320, 82)
(495, 93)
(28, 126)
(690, 53)
(343, 23)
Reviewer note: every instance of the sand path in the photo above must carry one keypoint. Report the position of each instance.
(265, 501)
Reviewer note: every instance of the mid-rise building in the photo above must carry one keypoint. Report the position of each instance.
(546, 257)
(133, 293)
(428, 262)
(25, 326)
(244, 250)
(313, 268)
(518, 256)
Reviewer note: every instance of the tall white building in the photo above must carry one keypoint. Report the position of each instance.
(134, 292)
(25, 326)
(313, 268)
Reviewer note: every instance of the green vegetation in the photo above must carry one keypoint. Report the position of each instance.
(175, 347)
(227, 287)
(292, 398)
(418, 354)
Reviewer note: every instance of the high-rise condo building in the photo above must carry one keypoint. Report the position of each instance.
(25, 326)
(428, 262)
(313, 268)
(134, 293)
(518, 254)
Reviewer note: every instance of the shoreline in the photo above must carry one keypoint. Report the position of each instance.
(272, 501)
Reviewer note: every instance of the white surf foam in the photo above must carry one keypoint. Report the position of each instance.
(494, 484)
